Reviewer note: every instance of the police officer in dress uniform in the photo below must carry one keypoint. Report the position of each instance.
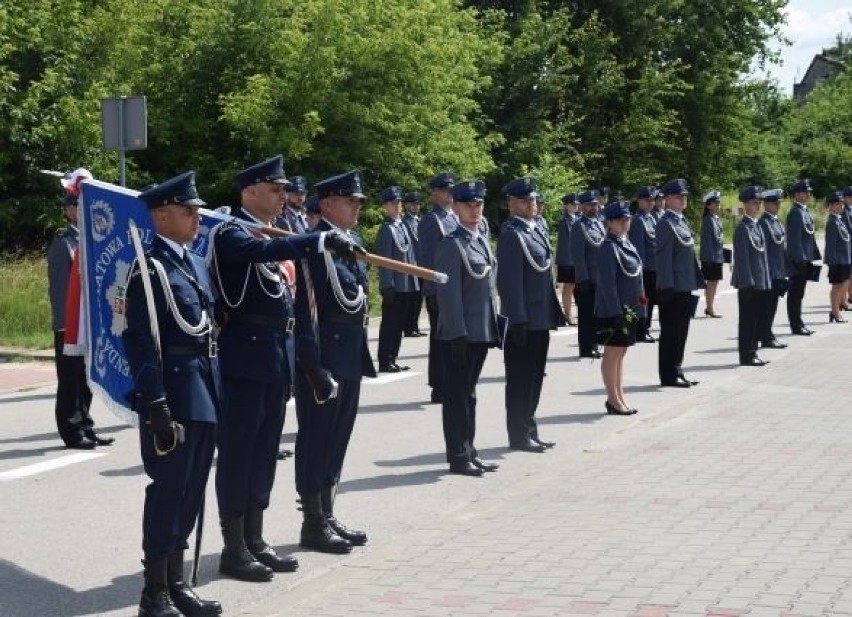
(331, 358)
(711, 251)
(292, 217)
(643, 237)
(177, 394)
(528, 300)
(436, 225)
(659, 206)
(776, 241)
(586, 238)
(750, 276)
(312, 212)
(619, 305)
(678, 275)
(847, 220)
(395, 242)
(564, 267)
(256, 351)
(411, 220)
(801, 251)
(837, 255)
(73, 396)
(467, 326)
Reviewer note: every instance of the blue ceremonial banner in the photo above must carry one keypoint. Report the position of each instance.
(106, 260)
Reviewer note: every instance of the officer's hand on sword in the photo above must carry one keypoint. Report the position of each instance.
(167, 433)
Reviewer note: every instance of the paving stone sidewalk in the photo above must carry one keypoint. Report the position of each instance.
(740, 504)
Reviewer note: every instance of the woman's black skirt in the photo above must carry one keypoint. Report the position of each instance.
(839, 274)
(711, 271)
(565, 274)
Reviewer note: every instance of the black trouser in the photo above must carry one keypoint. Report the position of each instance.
(584, 296)
(794, 296)
(73, 397)
(770, 307)
(458, 409)
(435, 371)
(178, 482)
(415, 304)
(649, 280)
(524, 377)
(674, 329)
(752, 304)
(249, 438)
(394, 315)
(324, 433)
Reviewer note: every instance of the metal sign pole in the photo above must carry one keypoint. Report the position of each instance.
(122, 163)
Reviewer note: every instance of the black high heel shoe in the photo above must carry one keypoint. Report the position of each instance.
(612, 410)
(709, 313)
(832, 318)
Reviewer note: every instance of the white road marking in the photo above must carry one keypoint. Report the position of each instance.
(390, 378)
(56, 463)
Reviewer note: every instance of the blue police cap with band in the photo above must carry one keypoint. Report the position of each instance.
(469, 190)
(587, 197)
(712, 196)
(750, 192)
(616, 210)
(392, 193)
(178, 190)
(270, 170)
(411, 198)
(445, 180)
(646, 192)
(835, 197)
(570, 198)
(521, 187)
(773, 195)
(344, 185)
(312, 205)
(802, 186)
(675, 187)
(296, 184)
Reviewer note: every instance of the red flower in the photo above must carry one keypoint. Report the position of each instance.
(642, 300)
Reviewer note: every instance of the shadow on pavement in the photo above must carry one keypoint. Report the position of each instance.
(386, 407)
(711, 367)
(127, 472)
(26, 594)
(15, 454)
(25, 398)
(392, 480)
(571, 418)
(602, 391)
(718, 350)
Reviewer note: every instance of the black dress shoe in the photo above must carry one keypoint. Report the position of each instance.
(527, 446)
(284, 453)
(100, 441)
(401, 367)
(83, 443)
(477, 462)
(466, 469)
(592, 354)
(272, 560)
(436, 396)
(753, 361)
(802, 331)
(389, 368)
(645, 338)
(677, 382)
(774, 344)
(543, 443)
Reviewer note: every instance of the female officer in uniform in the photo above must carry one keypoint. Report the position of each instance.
(619, 303)
(837, 256)
(711, 253)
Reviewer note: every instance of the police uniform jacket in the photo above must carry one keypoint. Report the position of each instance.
(256, 304)
(394, 242)
(525, 276)
(643, 237)
(801, 245)
(750, 269)
(837, 242)
(847, 217)
(436, 225)
(620, 280)
(411, 222)
(658, 214)
(773, 233)
(59, 257)
(563, 239)
(186, 375)
(587, 235)
(293, 221)
(466, 302)
(676, 265)
(331, 321)
(711, 239)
